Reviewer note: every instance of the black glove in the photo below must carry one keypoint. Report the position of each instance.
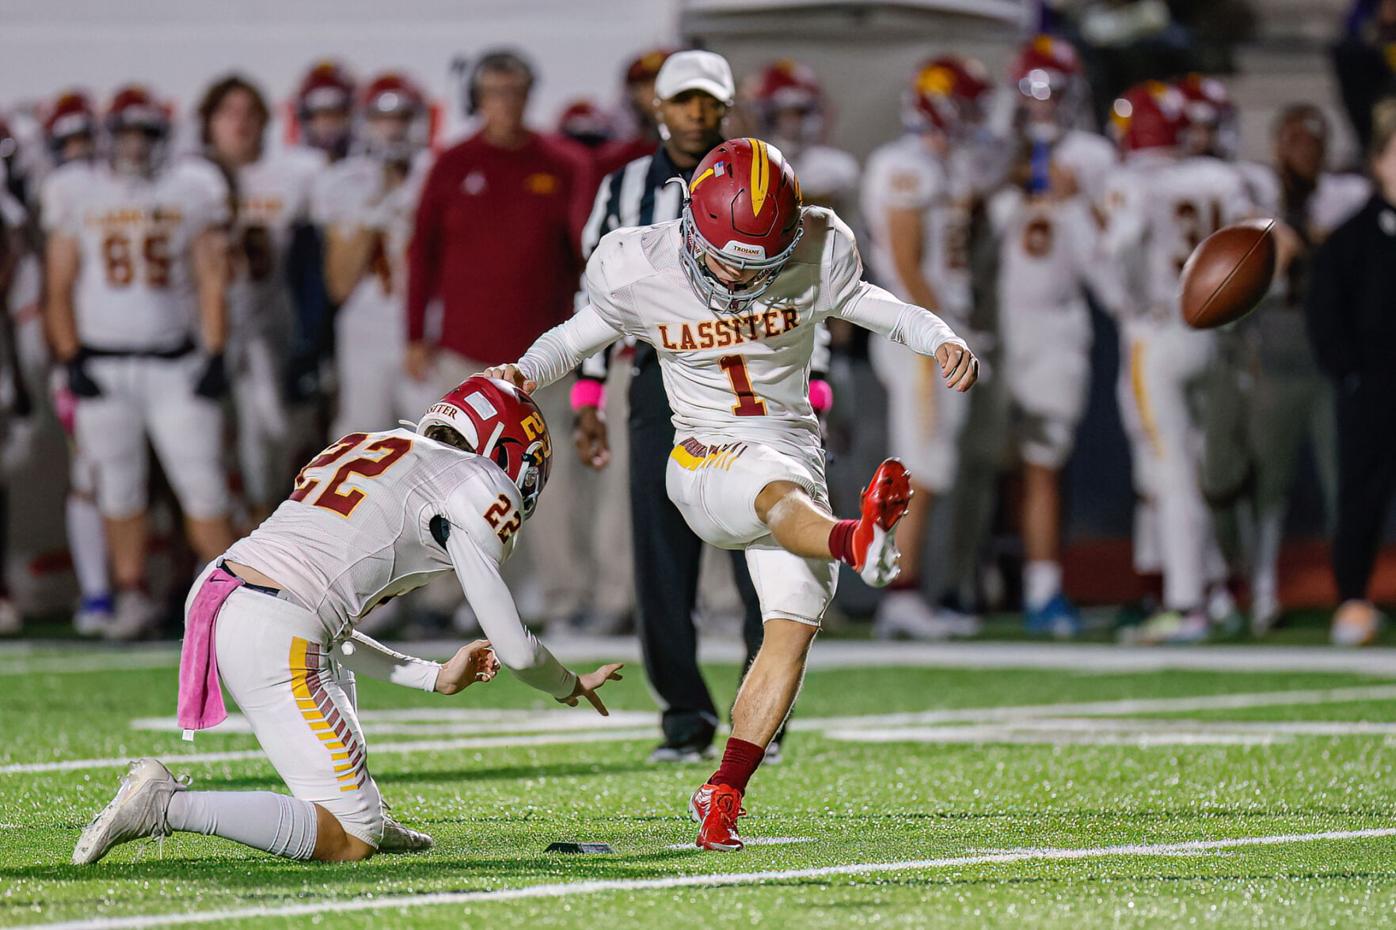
(213, 383)
(79, 381)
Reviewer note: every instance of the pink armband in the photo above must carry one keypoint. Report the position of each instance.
(821, 396)
(588, 393)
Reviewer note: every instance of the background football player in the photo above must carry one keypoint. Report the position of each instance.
(272, 195)
(366, 204)
(71, 131)
(793, 115)
(449, 496)
(1162, 205)
(918, 194)
(1045, 222)
(136, 265)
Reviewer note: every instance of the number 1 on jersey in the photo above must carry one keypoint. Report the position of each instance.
(748, 404)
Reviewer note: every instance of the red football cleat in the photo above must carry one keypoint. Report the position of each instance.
(716, 809)
(885, 501)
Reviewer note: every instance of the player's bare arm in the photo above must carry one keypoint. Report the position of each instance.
(907, 241)
(347, 256)
(212, 271)
(62, 258)
(591, 438)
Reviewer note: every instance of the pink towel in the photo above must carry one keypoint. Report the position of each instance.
(200, 695)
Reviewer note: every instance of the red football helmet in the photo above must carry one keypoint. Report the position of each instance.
(1045, 68)
(584, 122)
(326, 86)
(787, 86)
(946, 93)
(743, 209)
(646, 65)
(1209, 116)
(134, 107)
(501, 423)
(393, 94)
(72, 114)
(1147, 116)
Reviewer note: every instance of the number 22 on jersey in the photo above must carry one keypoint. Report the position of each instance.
(376, 459)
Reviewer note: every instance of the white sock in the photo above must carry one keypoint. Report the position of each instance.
(274, 823)
(87, 542)
(1042, 581)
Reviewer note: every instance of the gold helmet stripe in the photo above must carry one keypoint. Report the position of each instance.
(760, 175)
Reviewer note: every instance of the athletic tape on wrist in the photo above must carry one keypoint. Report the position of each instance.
(588, 393)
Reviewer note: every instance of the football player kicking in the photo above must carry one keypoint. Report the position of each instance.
(730, 295)
(373, 516)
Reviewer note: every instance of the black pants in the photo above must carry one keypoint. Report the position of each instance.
(1366, 479)
(667, 556)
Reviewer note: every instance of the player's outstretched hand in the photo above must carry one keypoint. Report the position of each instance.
(958, 365)
(590, 683)
(472, 662)
(591, 439)
(513, 375)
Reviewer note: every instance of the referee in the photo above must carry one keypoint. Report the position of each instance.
(693, 91)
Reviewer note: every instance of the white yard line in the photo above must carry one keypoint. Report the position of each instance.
(379, 749)
(979, 735)
(874, 726)
(573, 889)
(22, 657)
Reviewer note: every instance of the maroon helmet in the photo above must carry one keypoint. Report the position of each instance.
(501, 423)
(1147, 116)
(69, 116)
(947, 93)
(743, 209)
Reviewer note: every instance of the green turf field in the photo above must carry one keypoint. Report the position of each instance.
(909, 797)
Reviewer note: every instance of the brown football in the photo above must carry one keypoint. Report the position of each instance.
(1228, 274)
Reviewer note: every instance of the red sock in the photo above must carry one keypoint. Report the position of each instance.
(841, 540)
(739, 762)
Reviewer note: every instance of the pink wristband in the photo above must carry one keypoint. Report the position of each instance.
(821, 396)
(588, 393)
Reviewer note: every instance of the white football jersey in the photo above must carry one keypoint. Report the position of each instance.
(273, 196)
(1158, 209)
(738, 375)
(1047, 248)
(905, 174)
(371, 518)
(135, 288)
(350, 195)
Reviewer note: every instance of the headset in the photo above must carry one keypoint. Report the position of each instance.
(495, 59)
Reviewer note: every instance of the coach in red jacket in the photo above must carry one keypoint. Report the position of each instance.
(496, 245)
(496, 235)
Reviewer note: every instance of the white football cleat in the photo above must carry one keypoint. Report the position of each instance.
(1356, 623)
(93, 616)
(906, 615)
(10, 620)
(138, 810)
(136, 615)
(400, 839)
